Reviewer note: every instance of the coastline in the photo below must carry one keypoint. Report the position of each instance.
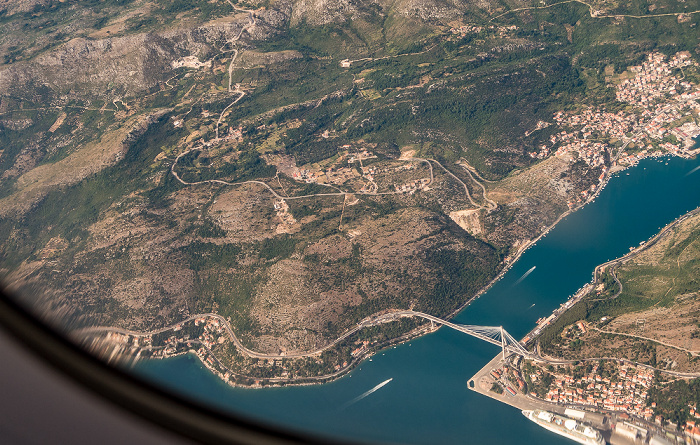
(415, 333)
(299, 381)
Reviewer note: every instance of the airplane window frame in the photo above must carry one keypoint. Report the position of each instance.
(168, 410)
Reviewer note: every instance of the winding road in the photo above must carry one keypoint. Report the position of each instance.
(593, 12)
(313, 195)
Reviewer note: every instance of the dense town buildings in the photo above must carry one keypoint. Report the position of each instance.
(662, 120)
(625, 390)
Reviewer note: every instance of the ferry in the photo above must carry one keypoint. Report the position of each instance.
(566, 427)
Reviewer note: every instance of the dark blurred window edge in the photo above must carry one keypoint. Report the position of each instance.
(188, 418)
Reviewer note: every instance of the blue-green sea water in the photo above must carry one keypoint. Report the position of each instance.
(428, 402)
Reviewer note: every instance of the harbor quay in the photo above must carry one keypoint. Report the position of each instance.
(484, 379)
(499, 379)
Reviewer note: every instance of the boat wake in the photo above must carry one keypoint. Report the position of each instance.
(365, 394)
(693, 171)
(532, 269)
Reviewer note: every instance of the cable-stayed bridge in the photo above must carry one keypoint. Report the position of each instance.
(493, 334)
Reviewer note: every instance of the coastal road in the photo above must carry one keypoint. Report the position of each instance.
(634, 253)
(367, 322)
(229, 330)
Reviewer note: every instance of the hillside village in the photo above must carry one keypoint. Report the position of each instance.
(663, 121)
(616, 389)
(349, 169)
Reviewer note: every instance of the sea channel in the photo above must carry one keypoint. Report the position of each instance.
(427, 400)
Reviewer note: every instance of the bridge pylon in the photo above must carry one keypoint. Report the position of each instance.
(503, 343)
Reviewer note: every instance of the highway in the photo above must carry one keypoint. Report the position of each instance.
(596, 13)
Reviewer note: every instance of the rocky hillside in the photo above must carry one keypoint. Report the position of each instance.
(78, 53)
(322, 12)
(85, 68)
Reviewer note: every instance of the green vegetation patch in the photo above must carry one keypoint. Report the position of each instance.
(672, 399)
(68, 213)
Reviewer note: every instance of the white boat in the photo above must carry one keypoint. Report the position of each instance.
(570, 428)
